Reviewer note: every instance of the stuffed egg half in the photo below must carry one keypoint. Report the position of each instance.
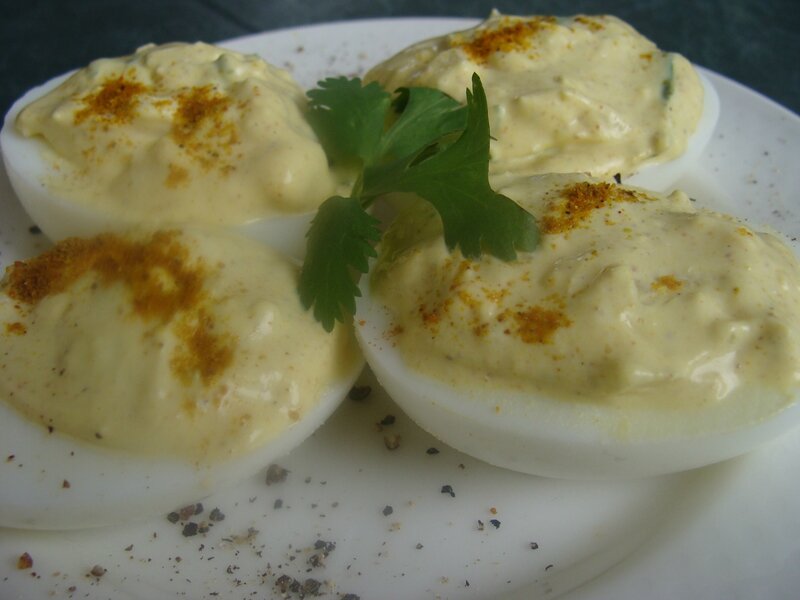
(642, 336)
(140, 372)
(571, 94)
(176, 133)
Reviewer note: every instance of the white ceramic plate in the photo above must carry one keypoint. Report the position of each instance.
(731, 531)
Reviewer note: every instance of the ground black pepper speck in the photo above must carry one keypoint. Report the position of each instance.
(276, 474)
(327, 547)
(448, 489)
(359, 392)
(97, 571)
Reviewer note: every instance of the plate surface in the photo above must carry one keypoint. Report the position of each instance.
(421, 520)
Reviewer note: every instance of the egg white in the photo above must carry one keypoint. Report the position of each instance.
(553, 437)
(60, 217)
(660, 177)
(106, 487)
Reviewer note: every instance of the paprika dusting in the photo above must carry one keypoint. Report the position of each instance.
(509, 36)
(157, 274)
(187, 342)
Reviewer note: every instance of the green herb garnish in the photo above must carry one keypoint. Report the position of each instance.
(435, 148)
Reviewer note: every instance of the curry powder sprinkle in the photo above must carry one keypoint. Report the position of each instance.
(162, 283)
(115, 103)
(589, 23)
(667, 282)
(200, 128)
(16, 328)
(534, 324)
(576, 203)
(511, 36)
(204, 352)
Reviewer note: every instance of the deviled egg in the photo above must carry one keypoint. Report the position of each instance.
(142, 371)
(570, 94)
(642, 336)
(177, 133)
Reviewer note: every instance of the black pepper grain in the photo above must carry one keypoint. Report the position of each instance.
(276, 474)
(190, 529)
(432, 451)
(97, 571)
(387, 510)
(326, 547)
(448, 489)
(189, 511)
(216, 515)
(283, 582)
(316, 560)
(496, 523)
(312, 586)
(359, 392)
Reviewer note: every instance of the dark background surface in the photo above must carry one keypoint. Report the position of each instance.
(754, 42)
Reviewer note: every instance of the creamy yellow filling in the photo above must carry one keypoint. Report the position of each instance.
(180, 343)
(572, 94)
(181, 133)
(631, 299)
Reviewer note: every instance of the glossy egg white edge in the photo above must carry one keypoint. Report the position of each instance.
(660, 177)
(562, 439)
(107, 487)
(59, 217)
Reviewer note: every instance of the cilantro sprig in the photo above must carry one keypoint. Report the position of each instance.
(433, 147)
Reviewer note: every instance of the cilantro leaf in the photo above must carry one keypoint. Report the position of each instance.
(435, 148)
(348, 117)
(339, 240)
(455, 181)
(426, 114)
